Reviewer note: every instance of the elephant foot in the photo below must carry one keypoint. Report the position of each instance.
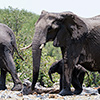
(65, 92)
(3, 87)
(77, 91)
(17, 87)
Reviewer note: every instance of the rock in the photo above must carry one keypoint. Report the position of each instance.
(89, 91)
(35, 93)
(52, 96)
(42, 94)
(20, 94)
(26, 87)
(38, 88)
(10, 85)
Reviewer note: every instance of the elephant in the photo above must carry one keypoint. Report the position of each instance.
(77, 75)
(7, 48)
(74, 35)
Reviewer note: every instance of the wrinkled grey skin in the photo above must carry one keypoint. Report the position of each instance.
(73, 34)
(77, 75)
(7, 47)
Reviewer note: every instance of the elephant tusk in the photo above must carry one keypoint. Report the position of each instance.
(26, 47)
(42, 45)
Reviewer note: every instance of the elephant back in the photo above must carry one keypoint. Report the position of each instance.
(6, 35)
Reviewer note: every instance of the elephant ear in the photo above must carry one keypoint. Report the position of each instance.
(60, 40)
(75, 26)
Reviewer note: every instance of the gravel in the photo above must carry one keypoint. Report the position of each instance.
(87, 94)
(16, 95)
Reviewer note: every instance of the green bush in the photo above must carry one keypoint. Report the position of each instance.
(22, 23)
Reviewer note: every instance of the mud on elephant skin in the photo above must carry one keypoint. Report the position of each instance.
(7, 48)
(77, 75)
(72, 34)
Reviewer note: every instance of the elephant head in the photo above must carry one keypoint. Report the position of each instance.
(61, 28)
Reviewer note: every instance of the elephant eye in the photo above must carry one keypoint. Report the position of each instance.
(50, 28)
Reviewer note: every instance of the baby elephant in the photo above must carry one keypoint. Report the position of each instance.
(7, 48)
(77, 75)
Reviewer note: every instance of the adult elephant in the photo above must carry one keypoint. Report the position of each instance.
(73, 34)
(7, 47)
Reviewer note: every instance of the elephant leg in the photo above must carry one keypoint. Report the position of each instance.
(81, 78)
(78, 78)
(67, 68)
(10, 66)
(66, 80)
(3, 80)
(60, 82)
(76, 84)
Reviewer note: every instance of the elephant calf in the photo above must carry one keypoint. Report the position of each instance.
(77, 75)
(7, 47)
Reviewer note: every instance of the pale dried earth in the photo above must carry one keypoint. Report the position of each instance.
(87, 94)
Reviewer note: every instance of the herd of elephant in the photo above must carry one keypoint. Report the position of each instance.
(78, 38)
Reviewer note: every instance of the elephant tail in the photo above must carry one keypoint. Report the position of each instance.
(17, 52)
(24, 48)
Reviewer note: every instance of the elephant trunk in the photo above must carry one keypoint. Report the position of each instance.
(50, 76)
(39, 41)
(36, 53)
